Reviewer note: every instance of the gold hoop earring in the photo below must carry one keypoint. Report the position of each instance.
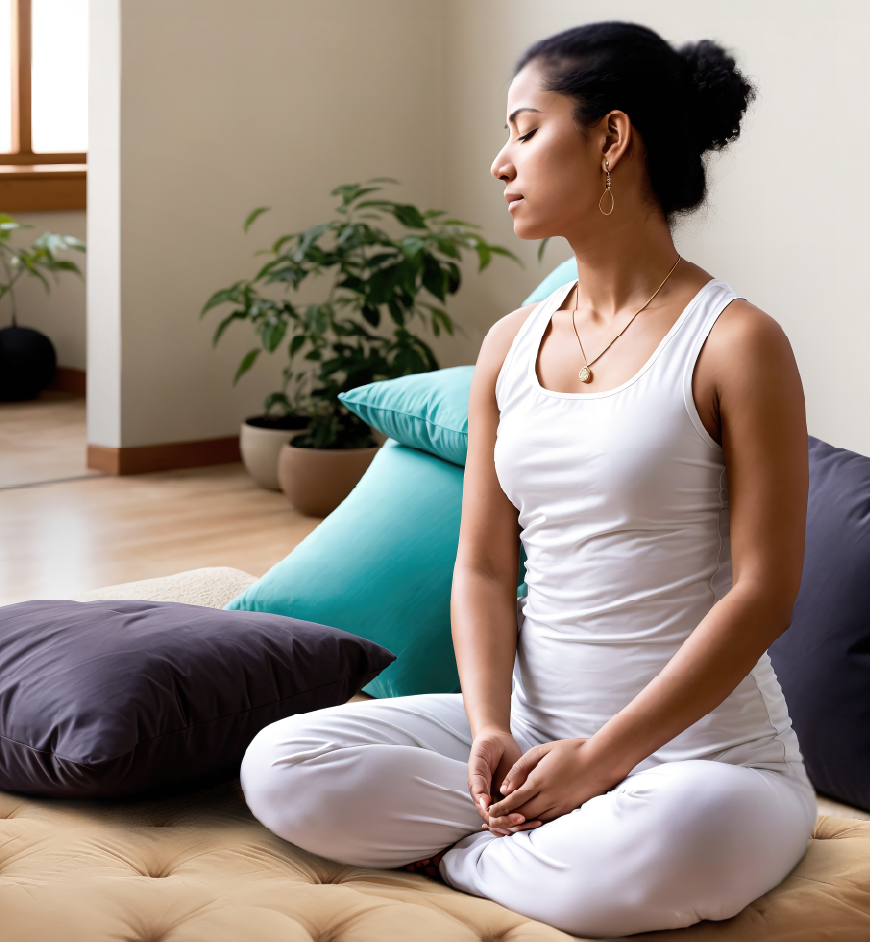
(607, 192)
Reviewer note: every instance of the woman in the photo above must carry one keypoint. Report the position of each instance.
(623, 762)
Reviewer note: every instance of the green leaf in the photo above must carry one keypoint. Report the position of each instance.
(448, 248)
(541, 248)
(309, 237)
(272, 333)
(408, 215)
(350, 191)
(484, 254)
(247, 362)
(371, 314)
(277, 399)
(433, 277)
(76, 244)
(381, 285)
(441, 319)
(296, 344)
(253, 215)
(63, 265)
(221, 297)
(235, 316)
(454, 278)
(396, 312)
(501, 250)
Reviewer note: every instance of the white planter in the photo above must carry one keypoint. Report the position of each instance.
(260, 448)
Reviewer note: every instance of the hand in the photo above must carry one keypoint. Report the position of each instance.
(549, 781)
(494, 753)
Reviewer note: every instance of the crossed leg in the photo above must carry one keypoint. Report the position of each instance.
(383, 783)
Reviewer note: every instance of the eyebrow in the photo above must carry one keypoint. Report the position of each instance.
(513, 115)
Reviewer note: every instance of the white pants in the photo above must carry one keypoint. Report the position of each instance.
(383, 784)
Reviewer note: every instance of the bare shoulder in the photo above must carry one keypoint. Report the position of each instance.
(744, 336)
(498, 341)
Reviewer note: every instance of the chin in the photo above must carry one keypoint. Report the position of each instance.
(531, 231)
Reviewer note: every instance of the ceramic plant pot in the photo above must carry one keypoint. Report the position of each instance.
(27, 363)
(261, 440)
(317, 480)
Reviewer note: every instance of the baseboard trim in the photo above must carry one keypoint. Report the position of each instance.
(170, 457)
(69, 380)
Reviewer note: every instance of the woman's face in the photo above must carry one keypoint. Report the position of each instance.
(552, 173)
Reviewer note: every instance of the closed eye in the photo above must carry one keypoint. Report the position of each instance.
(526, 137)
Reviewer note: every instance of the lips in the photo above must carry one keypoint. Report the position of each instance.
(514, 200)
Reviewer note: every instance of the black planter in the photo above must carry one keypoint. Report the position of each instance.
(27, 363)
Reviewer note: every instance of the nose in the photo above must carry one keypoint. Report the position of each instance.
(502, 168)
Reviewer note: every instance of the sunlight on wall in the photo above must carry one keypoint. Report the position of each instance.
(59, 76)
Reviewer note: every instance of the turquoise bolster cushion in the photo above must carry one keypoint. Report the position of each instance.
(428, 411)
(381, 566)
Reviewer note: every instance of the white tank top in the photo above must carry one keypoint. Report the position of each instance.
(623, 505)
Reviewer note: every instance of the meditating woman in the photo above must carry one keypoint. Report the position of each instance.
(621, 757)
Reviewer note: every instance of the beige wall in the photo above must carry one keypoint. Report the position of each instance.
(787, 222)
(225, 105)
(59, 313)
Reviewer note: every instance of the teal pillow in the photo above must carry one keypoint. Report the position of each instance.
(425, 410)
(381, 566)
(559, 276)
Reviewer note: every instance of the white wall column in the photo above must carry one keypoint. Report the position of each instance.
(104, 225)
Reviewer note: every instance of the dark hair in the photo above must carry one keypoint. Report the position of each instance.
(683, 102)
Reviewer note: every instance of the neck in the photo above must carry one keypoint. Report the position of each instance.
(623, 261)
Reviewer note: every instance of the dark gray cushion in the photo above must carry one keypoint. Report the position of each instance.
(106, 698)
(823, 660)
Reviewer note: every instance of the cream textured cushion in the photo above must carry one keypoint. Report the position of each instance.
(199, 868)
(212, 587)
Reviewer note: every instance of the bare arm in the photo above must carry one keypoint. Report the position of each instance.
(749, 390)
(483, 605)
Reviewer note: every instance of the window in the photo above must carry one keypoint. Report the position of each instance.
(43, 104)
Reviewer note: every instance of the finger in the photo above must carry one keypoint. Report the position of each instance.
(479, 782)
(480, 796)
(512, 802)
(506, 821)
(498, 832)
(521, 769)
(540, 808)
(503, 829)
(528, 826)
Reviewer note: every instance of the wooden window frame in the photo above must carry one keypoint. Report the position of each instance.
(34, 182)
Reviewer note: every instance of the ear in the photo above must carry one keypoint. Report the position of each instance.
(617, 137)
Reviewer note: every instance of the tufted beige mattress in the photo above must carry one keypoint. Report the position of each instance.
(198, 868)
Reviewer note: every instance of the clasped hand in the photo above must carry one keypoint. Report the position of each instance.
(548, 781)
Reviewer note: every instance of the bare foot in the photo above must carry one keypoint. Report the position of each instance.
(427, 867)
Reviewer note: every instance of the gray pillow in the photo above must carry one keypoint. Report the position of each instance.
(100, 699)
(823, 660)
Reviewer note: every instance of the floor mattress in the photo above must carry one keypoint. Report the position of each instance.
(197, 867)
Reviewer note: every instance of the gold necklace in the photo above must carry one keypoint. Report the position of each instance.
(585, 374)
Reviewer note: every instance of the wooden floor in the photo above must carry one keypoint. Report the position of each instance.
(42, 440)
(57, 539)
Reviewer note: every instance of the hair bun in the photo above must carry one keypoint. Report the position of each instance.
(718, 94)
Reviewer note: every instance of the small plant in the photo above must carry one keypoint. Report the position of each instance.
(379, 288)
(38, 261)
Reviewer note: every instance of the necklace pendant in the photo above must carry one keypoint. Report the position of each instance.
(585, 375)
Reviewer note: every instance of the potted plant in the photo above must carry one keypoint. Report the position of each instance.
(27, 358)
(381, 286)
